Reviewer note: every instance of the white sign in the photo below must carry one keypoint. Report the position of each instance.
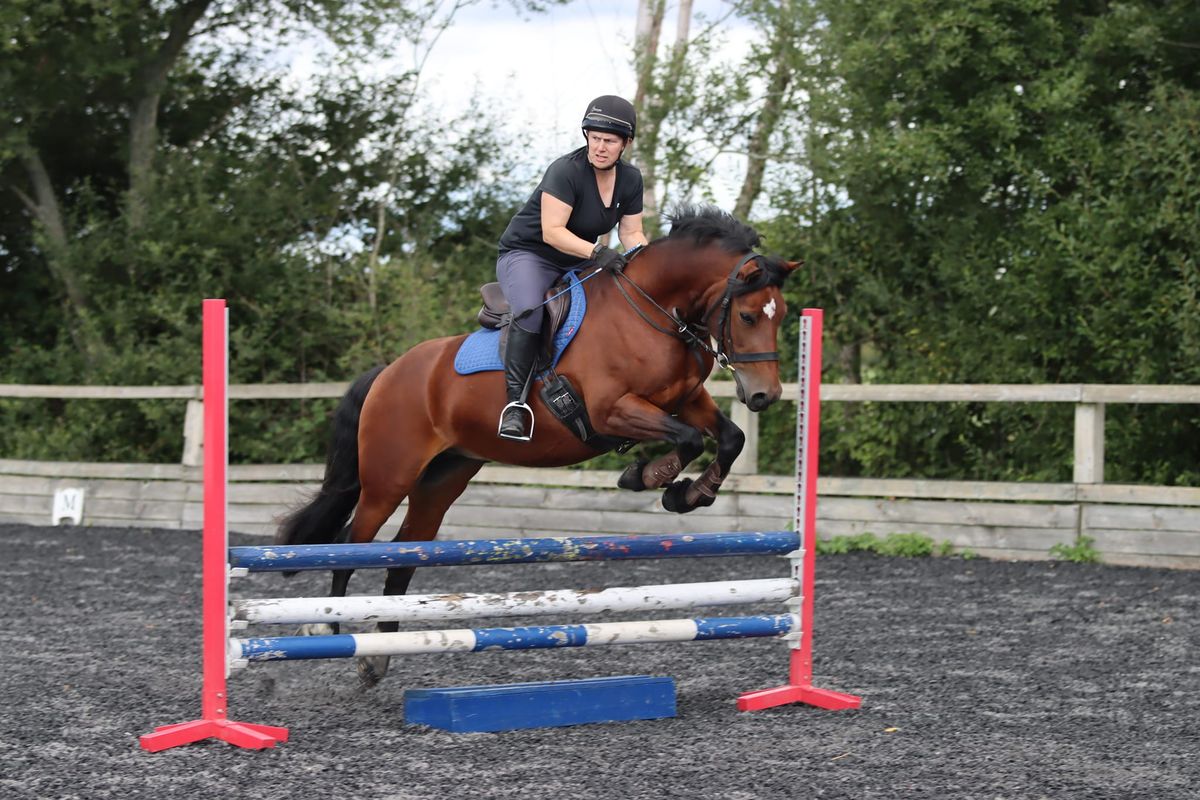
(68, 505)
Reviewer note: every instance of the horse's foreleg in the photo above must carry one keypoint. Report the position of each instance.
(636, 418)
(645, 474)
(687, 495)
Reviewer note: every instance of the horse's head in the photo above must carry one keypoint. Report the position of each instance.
(745, 306)
(745, 322)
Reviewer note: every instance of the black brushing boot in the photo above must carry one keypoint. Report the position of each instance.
(520, 354)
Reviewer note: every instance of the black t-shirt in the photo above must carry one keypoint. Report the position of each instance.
(573, 180)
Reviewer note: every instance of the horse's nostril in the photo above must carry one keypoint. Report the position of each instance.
(758, 401)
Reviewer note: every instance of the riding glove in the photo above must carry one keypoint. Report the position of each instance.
(608, 259)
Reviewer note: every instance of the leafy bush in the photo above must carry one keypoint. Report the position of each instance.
(905, 545)
(1081, 552)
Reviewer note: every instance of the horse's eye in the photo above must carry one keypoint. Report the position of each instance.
(747, 318)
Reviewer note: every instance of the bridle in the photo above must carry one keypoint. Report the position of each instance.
(697, 336)
(732, 284)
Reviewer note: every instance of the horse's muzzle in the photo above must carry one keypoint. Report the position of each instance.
(755, 400)
(758, 401)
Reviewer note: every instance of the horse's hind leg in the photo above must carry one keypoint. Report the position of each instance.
(341, 579)
(372, 512)
(442, 482)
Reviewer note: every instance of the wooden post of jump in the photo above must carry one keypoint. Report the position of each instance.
(214, 722)
(799, 688)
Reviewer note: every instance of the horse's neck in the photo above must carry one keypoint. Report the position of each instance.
(678, 278)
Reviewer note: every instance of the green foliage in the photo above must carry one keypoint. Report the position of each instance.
(990, 191)
(904, 545)
(343, 224)
(907, 545)
(945, 549)
(1081, 552)
(999, 191)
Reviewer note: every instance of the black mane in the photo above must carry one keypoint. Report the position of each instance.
(710, 225)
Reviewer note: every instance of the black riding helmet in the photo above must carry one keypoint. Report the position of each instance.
(610, 114)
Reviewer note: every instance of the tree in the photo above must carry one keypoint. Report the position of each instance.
(92, 99)
(1000, 192)
(693, 107)
(781, 60)
(344, 223)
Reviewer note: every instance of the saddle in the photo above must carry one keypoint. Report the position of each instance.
(496, 313)
(557, 392)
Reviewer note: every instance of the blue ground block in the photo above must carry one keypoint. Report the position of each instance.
(513, 706)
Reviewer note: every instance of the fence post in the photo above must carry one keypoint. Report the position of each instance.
(1089, 443)
(193, 434)
(747, 420)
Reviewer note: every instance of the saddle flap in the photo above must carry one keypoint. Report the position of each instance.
(557, 309)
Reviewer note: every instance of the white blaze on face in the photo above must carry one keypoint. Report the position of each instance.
(769, 309)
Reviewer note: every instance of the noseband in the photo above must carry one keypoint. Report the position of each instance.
(697, 335)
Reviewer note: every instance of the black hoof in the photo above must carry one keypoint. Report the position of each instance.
(673, 497)
(371, 670)
(631, 478)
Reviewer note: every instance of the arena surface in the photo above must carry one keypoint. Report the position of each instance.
(980, 680)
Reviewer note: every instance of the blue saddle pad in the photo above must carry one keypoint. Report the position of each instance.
(481, 350)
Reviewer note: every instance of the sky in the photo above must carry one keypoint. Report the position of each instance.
(546, 67)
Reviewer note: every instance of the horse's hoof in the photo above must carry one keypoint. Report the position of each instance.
(317, 629)
(631, 478)
(673, 497)
(371, 669)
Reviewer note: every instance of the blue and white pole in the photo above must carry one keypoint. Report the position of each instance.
(290, 648)
(381, 555)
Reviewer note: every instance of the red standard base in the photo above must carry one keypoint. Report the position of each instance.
(781, 695)
(241, 734)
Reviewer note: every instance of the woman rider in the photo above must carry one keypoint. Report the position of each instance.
(582, 196)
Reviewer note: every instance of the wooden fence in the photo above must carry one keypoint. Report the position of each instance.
(1150, 525)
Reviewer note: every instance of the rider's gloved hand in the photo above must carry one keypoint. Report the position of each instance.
(608, 259)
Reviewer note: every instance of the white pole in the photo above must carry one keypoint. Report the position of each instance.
(423, 608)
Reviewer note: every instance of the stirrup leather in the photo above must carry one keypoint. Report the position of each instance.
(517, 404)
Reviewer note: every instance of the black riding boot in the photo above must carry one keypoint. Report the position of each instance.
(516, 421)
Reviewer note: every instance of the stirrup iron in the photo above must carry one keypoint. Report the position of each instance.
(523, 406)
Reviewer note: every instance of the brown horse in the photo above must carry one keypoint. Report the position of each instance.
(417, 429)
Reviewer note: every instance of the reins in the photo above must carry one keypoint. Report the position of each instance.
(695, 336)
(725, 358)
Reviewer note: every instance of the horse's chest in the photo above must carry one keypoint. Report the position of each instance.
(672, 384)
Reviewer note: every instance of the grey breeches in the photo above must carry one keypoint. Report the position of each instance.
(524, 278)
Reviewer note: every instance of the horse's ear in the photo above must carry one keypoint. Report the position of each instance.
(791, 266)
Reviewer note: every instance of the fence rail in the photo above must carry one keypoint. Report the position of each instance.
(1135, 524)
(1089, 400)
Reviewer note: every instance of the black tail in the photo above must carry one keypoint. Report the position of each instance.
(322, 519)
